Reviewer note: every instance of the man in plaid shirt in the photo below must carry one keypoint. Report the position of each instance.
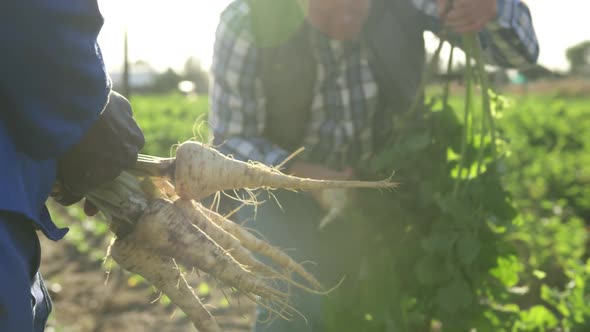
(337, 106)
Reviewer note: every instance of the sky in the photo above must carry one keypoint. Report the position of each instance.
(166, 33)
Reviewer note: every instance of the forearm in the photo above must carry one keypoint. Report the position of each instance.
(53, 84)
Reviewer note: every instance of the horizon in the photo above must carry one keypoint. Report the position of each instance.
(165, 36)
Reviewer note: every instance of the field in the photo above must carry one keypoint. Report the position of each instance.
(529, 273)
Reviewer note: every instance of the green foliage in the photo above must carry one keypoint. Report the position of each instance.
(550, 172)
(506, 253)
(166, 82)
(549, 177)
(439, 237)
(167, 120)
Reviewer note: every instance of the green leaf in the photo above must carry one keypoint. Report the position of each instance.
(417, 142)
(468, 248)
(134, 280)
(455, 296)
(224, 302)
(539, 274)
(439, 242)
(452, 155)
(538, 317)
(507, 270)
(203, 289)
(165, 300)
(431, 270)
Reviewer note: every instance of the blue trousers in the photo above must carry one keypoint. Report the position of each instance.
(293, 227)
(25, 304)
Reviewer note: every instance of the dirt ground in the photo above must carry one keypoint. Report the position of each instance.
(85, 301)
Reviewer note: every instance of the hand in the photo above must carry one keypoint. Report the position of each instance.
(333, 201)
(110, 146)
(467, 16)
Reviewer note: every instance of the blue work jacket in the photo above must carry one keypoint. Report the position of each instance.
(53, 86)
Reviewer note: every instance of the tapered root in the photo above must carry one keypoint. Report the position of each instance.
(155, 233)
(165, 229)
(164, 275)
(200, 217)
(254, 244)
(202, 171)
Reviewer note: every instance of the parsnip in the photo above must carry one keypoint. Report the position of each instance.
(202, 171)
(200, 217)
(162, 273)
(153, 231)
(254, 244)
(166, 230)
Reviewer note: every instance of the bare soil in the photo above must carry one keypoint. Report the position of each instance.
(85, 300)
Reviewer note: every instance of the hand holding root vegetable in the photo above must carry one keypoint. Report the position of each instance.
(110, 146)
(159, 226)
(466, 16)
(334, 201)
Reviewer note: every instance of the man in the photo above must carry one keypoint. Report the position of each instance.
(327, 75)
(54, 127)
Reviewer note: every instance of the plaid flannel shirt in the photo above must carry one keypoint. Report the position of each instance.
(340, 131)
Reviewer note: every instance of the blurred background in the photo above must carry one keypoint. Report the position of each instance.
(176, 37)
(165, 36)
(159, 53)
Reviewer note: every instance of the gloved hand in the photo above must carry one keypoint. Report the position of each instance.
(110, 146)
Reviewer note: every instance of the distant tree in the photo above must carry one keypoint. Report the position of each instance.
(142, 65)
(194, 72)
(136, 77)
(167, 81)
(579, 57)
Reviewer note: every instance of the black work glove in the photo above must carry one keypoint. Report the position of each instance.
(110, 146)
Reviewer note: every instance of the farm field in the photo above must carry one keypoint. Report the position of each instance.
(533, 277)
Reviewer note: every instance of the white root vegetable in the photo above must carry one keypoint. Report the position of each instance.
(166, 230)
(211, 222)
(254, 244)
(154, 232)
(200, 217)
(164, 275)
(202, 171)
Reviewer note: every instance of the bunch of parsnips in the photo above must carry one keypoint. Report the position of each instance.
(160, 225)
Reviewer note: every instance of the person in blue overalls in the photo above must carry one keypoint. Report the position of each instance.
(59, 121)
